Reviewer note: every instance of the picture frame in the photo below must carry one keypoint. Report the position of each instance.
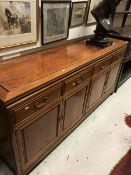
(121, 6)
(18, 22)
(55, 20)
(90, 20)
(78, 13)
(118, 19)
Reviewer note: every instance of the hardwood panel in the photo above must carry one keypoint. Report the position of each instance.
(97, 89)
(36, 104)
(6, 146)
(78, 79)
(28, 72)
(118, 55)
(102, 65)
(74, 108)
(39, 134)
(26, 82)
(112, 77)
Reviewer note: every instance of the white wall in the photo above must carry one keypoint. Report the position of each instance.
(73, 33)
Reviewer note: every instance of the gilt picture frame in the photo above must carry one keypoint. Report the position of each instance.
(78, 13)
(55, 21)
(90, 20)
(18, 22)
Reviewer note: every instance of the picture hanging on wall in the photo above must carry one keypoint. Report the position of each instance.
(78, 13)
(55, 20)
(18, 22)
(118, 19)
(89, 18)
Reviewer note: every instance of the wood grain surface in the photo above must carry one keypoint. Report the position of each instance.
(26, 73)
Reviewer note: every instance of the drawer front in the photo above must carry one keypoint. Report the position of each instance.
(37, 104)
(76, 81)
(118, 55)
(102, 65)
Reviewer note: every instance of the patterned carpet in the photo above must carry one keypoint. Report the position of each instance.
(128, 120)
(124, 166)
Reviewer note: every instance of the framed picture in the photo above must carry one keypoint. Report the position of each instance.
(117, 21)
(18, 22)
(91, 4)
(122, 20)
(55, 20)
(78, 13)
(122, 6)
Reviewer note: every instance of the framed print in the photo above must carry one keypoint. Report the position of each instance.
(78, 13)
(91, 4)
(117, 21)
(122, 6)
(18, 22)
(122, 20)
(55, 21)
(128, 21)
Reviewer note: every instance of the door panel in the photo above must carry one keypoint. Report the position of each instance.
(74, 108)
(112, 78)
(97, 89)
(39, 134)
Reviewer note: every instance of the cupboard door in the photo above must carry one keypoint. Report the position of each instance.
(97, 89)
(112, 78)
(73, 108)
(38, 135)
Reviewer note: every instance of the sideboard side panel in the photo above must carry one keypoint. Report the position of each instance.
(6, 147)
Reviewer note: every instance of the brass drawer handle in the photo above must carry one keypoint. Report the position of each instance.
(79, 82)
(103, 66)
(41, 105)
(76, 83)
(117, 54)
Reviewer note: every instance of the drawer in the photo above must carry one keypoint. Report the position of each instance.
(36, 104)
(77, 80)
(102, 65)
(118, 55)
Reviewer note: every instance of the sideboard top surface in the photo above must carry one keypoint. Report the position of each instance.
(24, 74)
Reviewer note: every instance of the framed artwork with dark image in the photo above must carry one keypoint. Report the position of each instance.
(78, 13)
(55, 20)
(18, 22)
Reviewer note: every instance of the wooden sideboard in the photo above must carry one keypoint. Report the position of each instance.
(45, 95)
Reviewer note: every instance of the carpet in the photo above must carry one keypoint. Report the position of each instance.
(124, 166)
(128, 120)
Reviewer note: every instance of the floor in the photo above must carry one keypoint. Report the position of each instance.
(96, 145)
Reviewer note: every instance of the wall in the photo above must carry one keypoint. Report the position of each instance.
(73, 33)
